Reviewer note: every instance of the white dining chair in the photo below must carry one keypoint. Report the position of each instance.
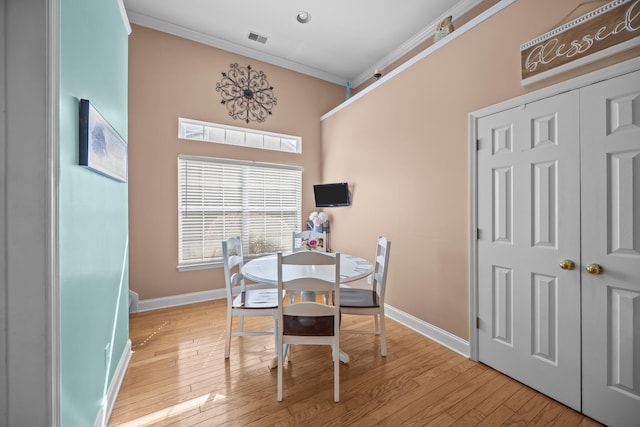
(309, 322)
(370, 302)
(240, 301)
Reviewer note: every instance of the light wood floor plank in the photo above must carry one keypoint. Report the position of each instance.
(178, 376)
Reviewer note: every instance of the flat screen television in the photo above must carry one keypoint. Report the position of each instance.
(328, 195)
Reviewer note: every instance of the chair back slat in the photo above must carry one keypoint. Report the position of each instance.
(307, 309)
(304, 284)
(233, 263)
(379, 282)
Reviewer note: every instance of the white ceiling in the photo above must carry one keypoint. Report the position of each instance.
(344, 40)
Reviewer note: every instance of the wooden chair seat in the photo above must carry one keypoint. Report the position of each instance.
(351, 297)
(319, 326)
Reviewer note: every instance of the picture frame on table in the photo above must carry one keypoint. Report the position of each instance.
(102, 149)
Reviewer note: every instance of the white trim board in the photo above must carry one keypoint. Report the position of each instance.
(182, 299)
(109, 399)
(52, 206)
(447, 339)
(572, 84)
(432, 332)
(125, 18)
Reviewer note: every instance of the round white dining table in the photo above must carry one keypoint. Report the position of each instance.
(265, 270)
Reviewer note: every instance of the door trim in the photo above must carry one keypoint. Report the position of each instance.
(53, 172)
(572, 84)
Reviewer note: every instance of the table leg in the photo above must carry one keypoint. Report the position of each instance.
(307, 296)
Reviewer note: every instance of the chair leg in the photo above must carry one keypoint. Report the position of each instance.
(376, 326)
(280, 368)
(241, 322)
(227, 334)
(275, 334)
(336, 374)
(383, 336)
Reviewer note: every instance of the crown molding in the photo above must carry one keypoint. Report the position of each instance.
(459, 9)
(196, 36)
(125, 18)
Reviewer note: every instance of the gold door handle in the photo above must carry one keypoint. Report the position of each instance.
(567, 264)
(594, 269)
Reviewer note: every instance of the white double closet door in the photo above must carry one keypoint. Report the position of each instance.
(559, 191)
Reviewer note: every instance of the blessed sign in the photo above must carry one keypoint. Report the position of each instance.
(602, 32)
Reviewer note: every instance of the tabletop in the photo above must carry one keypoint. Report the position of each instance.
(265, 269)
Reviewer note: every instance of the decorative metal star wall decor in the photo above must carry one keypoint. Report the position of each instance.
(246, 93)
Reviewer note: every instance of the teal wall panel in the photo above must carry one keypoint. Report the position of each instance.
(93, 211)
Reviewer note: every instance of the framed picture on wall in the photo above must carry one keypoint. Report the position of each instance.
(102, 149)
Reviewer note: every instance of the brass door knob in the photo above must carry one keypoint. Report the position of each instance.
(567, 264)
(594, 269)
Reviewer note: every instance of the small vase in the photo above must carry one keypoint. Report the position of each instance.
(317, 228)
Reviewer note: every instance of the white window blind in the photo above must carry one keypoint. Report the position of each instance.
(219, 198)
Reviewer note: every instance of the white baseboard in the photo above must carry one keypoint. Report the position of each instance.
(133, 301)
(175, 300)
(114, 387)
(430, 331)
(191, 298)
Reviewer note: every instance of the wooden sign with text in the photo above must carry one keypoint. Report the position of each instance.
(599, 33)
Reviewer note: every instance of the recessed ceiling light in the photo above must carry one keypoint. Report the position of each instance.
(303, 17)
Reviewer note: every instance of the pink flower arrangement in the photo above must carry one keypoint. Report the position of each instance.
(318, 218)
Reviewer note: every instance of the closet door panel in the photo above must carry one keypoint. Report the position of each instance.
(528, 217)
(610, 154)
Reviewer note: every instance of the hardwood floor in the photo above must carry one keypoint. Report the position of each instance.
(178, 376)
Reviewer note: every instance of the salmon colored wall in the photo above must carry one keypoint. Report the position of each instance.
(404, 148)
(170, 77)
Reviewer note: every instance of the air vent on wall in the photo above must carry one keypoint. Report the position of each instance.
(257, 37)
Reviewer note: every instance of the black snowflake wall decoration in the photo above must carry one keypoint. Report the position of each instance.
(246, 93)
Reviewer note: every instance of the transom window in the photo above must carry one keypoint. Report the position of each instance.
(222, 198)
(231, 135)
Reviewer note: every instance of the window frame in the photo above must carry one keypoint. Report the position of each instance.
(246, 209)
(216, 133)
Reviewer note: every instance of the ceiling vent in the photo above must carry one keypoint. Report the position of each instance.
(257, 37)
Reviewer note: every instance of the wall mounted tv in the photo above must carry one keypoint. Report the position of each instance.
(328, 195)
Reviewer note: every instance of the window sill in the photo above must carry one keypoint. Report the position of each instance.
(199, 266)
